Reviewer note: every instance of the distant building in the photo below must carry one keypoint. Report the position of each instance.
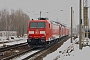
(9, 33)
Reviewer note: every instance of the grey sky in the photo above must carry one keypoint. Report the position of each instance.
(54, 7)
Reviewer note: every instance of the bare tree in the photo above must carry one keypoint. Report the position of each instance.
(14, 21)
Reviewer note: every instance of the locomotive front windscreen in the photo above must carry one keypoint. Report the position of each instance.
(37, 24)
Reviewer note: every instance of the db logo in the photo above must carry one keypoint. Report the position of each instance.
(37, 31)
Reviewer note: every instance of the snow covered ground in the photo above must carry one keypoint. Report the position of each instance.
(12, 41)
(76, 54)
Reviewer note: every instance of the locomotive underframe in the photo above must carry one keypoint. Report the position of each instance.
(36, 42)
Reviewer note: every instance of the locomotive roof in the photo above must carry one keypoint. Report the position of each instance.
(42, 18)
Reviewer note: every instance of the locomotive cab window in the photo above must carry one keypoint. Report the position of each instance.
(37, 24)
(33, 25)
(49, 25)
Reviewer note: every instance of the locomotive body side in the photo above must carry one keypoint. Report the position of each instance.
(56, 31)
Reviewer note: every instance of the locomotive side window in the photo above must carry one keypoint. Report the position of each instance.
(37, 24)
(49, 25)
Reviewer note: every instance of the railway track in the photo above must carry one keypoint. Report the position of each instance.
(29, 52)
(37, 55)
(11, 47)
(50, 49)
(42, 53)
(12, 50)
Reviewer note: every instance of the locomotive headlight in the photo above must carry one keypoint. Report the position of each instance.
(42, 32)
(31, 32)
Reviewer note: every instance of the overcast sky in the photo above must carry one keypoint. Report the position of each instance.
(58, 10)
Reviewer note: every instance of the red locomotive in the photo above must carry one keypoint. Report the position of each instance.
(42, 31)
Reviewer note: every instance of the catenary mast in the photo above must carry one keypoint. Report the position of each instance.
(85, 18)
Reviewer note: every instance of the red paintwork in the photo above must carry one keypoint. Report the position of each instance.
(54, 30)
